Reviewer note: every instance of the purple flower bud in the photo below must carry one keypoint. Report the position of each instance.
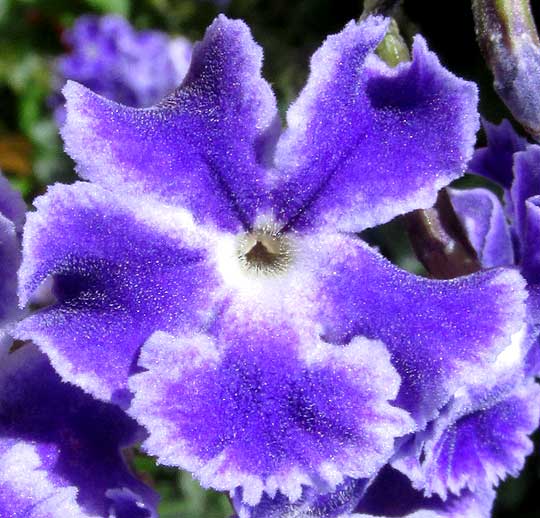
(510, 43)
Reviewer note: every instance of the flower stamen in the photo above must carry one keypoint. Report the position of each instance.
(265, 251)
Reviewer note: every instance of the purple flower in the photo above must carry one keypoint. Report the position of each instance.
(389, 495)
(12, 207)
(108, 56)
(512, 240)
(336, 504)
(485, 221)
(482, 434)
(505, 236)
(278, 351)
(495, 161)
(392, 495)
(60, 449)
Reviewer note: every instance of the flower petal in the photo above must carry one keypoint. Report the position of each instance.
(495, 161)
(264, 412)
(202, 148)
(526, 184)
(484, 220)
(121, 269)
(340, 502)
(9, 263)
(530, 237)
(12, 205)
(439, 333)
(27, 491)
(367, 142)
(391, 495)
(480, 440)
(12, 210)
(60, 449)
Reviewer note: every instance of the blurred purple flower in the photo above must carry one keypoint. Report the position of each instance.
(114, 60)
(12, 214)
(218, 256)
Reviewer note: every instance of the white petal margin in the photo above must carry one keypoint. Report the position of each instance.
(372, 378)
(20, 472)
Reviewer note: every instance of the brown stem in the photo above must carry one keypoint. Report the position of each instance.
(440, 241)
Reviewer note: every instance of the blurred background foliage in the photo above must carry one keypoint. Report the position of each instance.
(31, 152)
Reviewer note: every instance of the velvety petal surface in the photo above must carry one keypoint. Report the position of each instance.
(440, 334)
(338, 503)
(202, 148)
(530, 241)
(366, 142)
(485, 223)
(391, 495)
(60, 449)
(526, 181)
(480, 440)
(27, 491)
(264, 411)
(495, 161)
(121, 270)
(532, 360)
